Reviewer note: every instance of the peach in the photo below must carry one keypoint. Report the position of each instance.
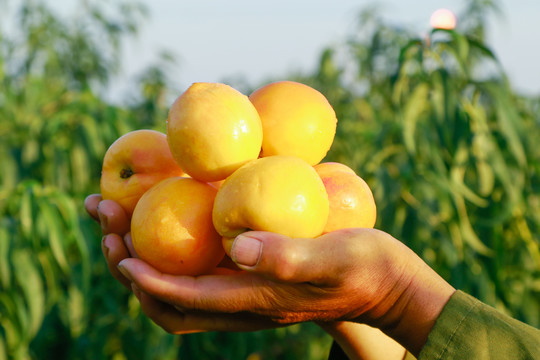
(212, 130)
(172, 229)
(282, 194)
(297, 120)
(133, 164)
(351, 200)
(328, 168)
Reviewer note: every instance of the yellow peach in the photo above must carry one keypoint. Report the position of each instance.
(212, 130)
(297, 120)
(328, 168)
(133, 164)
(172, 228)
(282, 194)
(351, 200)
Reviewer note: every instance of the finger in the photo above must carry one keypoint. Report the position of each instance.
(129, 245)
(320, 261)
(91, 204)
(214, 293)
(242, 293)
(224, 271)
(113, 218)
(115, 251)
(163, 314)
(178, 322)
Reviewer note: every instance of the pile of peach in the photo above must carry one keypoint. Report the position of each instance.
(230, 163)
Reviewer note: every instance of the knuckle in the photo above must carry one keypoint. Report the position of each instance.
(287, 262)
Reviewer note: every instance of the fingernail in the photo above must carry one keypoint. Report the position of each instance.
(124, 271)
(246, 250)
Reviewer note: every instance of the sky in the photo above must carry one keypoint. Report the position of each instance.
(215, 40)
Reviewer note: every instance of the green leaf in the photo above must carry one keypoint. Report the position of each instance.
(55, 233)
(486, 178)
(26, 213)
(462, 44)
(5, 271)
(91, 134)
(532, 246)
(459, 46)
(79, 168)
(68, 210)
(9, 319)
(457, 175)
(13, 335)
(9, 174)
(484, 49)
(482, 146)
(51, 278)
(415, 107)
(509, 120)
(3, 349)
(30, 152)
(30, 282)
(469, 235)
(412, 46)
(76, 311)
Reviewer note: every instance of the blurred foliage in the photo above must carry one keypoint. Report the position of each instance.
(432, 124)
(449, 150)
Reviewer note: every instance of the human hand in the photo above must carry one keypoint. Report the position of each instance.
(357, 275)
(365, 275)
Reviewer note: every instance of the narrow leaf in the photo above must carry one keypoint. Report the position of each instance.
(469, 235)
(30, 282)
(55, 238)
(413, 110)
(25, 213)
(5, 271)
(76, 306)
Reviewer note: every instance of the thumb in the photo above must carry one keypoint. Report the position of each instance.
(282, 258)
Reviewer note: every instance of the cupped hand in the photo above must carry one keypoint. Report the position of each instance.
(344, 275)
(353, 275)
(358, 275)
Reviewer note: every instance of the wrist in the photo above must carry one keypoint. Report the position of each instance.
(411, 317)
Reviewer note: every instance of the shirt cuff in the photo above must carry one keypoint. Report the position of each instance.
(468, 328)
(447, 326)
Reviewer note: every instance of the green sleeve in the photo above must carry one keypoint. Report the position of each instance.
(470, 329)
